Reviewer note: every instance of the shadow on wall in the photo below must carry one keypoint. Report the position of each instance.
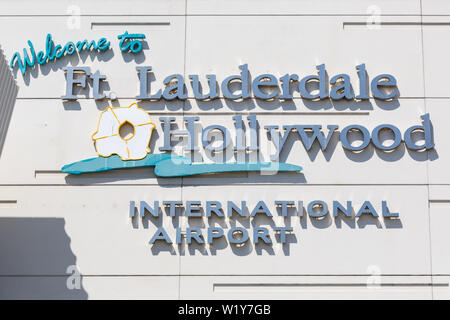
(278, 106)
(37, 261)
(8, 94)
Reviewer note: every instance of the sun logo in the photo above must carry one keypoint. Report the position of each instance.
(125, 131)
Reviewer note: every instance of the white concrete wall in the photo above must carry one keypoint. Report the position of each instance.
(49, 221)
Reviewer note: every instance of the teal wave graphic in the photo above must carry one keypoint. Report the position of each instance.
(168, 166)
(114, 162)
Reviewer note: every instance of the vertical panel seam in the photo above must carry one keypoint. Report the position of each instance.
(428, 158)
(184, 106)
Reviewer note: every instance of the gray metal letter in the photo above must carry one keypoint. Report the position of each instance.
(96, 77)
(260, 81)
(346, 144)
(376, 83)
(322, 84)
(207, 144)
(245, 92)
(70, 81)
(168, 132)
(376, 139)
(427, 131)
(212, 87)
(346, 85)
(176, 90)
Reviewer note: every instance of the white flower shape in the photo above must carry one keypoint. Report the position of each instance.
(111, 136)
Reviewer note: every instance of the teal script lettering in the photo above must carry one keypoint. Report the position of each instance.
(53, 52)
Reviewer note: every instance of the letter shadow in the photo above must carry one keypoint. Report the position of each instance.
(160, 246)
(218, 244)
(362, 222)
(290, 239)
(261, 219)
(71, 105)
(321, 222)
(262, 246)
(349, 221)
(64, 61)
(368, 220)
(139, 57)
(194, 246)
(387, 105)
(242, 249)
(392, 223)
(243, 221)
(215, 221)
(295, 104)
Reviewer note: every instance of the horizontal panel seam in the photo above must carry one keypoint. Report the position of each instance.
(224, 275)
(229, 183)
(224, 15)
